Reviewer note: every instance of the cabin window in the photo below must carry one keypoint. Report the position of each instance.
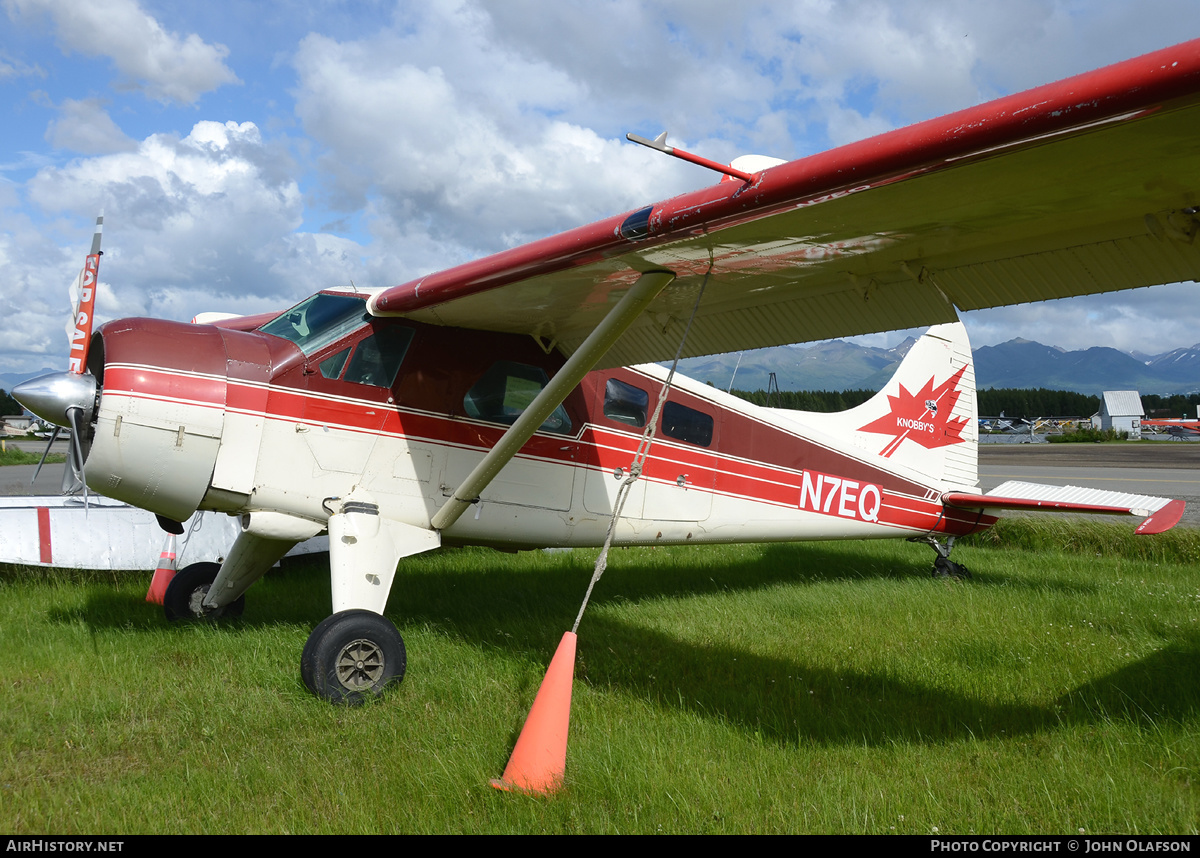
(625, 403)
(506, 390)
(319, 321)
(687, 424)
(377, 359)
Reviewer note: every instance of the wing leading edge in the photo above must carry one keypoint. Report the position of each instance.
(1091, 184)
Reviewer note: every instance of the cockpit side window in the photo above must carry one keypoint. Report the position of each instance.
(319, 321)
(332, 366)
(377, 359)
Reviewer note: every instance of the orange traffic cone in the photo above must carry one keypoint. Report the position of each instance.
(539, 760)
(164, 573)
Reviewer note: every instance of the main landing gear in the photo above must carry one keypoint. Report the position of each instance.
(354, 654)
(184, 599)
(943, 566)
(351, 656)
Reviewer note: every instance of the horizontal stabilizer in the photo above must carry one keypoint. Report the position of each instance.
(1161, 513)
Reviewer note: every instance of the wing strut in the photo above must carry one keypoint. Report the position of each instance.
(577, 366)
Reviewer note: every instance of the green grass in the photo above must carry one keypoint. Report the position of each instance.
(827, 687)
(13, 456)
(1088, 435)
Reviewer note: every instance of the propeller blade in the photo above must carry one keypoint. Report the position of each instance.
(45, 453)
(75, 452)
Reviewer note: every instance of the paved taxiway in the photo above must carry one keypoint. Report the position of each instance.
(1163, 468)
(14, 479)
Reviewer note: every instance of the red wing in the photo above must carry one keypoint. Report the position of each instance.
(1082, 186)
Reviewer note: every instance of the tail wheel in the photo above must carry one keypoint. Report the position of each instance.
(944, 567)
(184, 599)
(351, 656)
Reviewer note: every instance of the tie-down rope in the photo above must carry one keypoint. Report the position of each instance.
(639, 459)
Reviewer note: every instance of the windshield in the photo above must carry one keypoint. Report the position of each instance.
(319, 321)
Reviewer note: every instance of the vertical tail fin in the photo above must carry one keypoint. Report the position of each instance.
(925, 419)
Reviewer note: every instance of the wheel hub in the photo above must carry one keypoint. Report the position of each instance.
(196, 601)
(360, 664)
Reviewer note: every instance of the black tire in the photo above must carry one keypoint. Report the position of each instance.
(351, 656)
(187, 590)
(944, 567)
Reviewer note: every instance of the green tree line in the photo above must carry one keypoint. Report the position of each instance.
(1030, 404)
(807, 400)
(1015, 402)
(1176, 405)
(1018, 403)
(8, 405)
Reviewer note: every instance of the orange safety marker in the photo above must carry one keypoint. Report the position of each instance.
(539, 760)
(164, 573)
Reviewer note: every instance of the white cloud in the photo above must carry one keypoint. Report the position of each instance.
(167, 66)
(1151, 320)
(206, 222)
(85, 127)
(471, 163)
(11, 68)
(437, 132)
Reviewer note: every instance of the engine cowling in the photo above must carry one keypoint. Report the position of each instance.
(160, 424)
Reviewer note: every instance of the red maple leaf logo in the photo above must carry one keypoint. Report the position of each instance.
(923, 417)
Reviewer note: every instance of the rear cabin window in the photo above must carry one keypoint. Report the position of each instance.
(625, 403)
(687, 424)
(506, 390)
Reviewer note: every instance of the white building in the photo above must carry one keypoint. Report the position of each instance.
(1120, 410)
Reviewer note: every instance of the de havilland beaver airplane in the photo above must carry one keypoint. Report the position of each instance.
(494, 403)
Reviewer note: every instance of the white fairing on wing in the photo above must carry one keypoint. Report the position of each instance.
(211, 318)
(755, 163)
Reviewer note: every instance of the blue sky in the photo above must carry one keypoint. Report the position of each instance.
(247, 154)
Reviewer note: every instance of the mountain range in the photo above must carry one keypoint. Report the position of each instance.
(840, 365)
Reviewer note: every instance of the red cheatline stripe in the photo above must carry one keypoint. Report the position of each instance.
(47, 554)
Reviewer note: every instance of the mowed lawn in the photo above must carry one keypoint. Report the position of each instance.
(822, 687)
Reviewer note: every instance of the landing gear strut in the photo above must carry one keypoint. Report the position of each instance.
(351, 656)
(943, 566)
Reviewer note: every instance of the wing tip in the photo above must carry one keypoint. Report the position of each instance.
(1162, 520)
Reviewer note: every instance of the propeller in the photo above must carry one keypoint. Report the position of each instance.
(68, 399)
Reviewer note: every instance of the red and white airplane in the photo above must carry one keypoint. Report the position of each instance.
(491, 403)
(1178, 428)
